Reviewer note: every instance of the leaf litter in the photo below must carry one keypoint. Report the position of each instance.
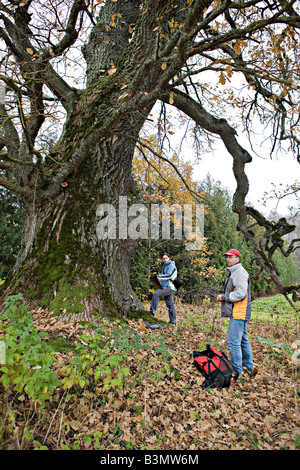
(161, 404)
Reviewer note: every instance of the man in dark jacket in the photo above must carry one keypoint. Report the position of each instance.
(168, 274)
(236, 305)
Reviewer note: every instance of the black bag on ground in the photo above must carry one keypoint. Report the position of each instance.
(215, 367)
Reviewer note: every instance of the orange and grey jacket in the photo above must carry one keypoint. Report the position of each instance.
(236, 300)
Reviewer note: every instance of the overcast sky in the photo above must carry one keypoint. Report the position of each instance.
(261, 173)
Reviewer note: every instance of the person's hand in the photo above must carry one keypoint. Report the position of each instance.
(219, 298)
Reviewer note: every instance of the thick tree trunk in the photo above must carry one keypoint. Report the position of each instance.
(62, 263)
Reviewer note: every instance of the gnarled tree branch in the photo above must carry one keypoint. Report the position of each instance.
(273, 231)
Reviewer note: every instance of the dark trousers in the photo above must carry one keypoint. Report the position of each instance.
(167, 293)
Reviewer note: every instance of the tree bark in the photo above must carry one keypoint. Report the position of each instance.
(62, 263)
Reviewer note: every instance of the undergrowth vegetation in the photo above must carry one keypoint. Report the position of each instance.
(124, 386)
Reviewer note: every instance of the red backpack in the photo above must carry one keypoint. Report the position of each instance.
(215, 367)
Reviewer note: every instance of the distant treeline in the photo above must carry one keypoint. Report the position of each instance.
(203, 271)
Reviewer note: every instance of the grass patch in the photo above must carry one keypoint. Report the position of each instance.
(276, 307)
(61, 345)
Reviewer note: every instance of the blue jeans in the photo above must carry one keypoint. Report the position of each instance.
(239, 346)
(167, 293)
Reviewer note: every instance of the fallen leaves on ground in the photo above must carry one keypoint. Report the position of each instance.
(162, 405)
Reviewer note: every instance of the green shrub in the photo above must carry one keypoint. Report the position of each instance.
(28, 359)
(94, 361)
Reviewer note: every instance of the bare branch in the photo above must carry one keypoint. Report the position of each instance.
(71, 33)
(13, 187)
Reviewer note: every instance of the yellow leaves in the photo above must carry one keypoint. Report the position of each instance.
(171, 98)
(114, 18)
(30, 51)
(131, 28)
(222, 79)
(239, 46)
(151, 172)
(174, 25)
(164, 66)
(216, 4)
(163, 36)
(225, 75)
(112, 71)
(229, 71)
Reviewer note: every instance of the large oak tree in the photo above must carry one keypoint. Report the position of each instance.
(135, 54)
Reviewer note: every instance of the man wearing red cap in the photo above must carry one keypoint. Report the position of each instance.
(236, 305)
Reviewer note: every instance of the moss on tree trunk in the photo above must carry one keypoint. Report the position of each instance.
(66, 268)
